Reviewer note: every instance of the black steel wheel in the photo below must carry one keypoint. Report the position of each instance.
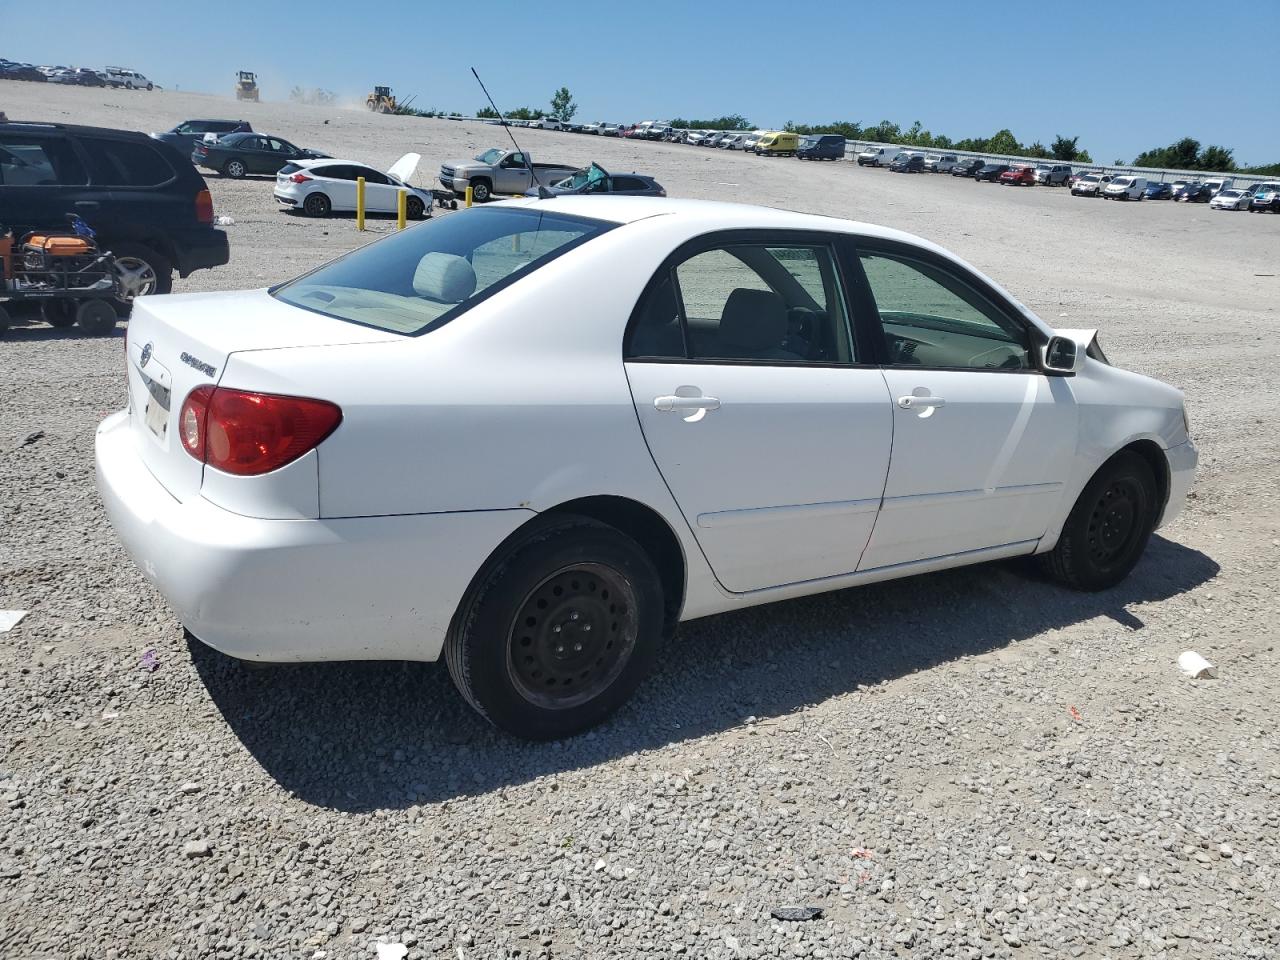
(1109, 526)
(572, 636)
(414, 209)
(96, 317)
(558, 629)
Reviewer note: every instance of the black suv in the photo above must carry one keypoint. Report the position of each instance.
(147, 203)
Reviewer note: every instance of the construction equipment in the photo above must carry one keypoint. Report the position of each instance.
(381, 100)
(65, 272)
(247, 86)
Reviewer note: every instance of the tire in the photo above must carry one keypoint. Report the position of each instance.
(1108, 528)
(59, 313)
(141, 271)
(234, 168)
(414, 208)
(4, 320)
(150, 86)
(96, 317)
(481, 191)
(509, 660)
(317, 205)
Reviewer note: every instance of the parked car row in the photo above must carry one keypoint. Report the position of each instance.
(75, 76)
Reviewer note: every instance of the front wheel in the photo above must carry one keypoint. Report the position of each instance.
(480, 191)
(414, 209)
(558, 630)
(1109, 526)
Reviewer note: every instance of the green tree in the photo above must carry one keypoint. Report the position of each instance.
(1038, 150)
(734, 121)
(1065, 149)
(1004, 142)
(562, 104)
(1217, 159)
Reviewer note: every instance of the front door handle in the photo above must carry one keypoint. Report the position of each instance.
(916, 403)
(668, 404)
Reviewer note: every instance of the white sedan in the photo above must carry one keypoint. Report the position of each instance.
(1230, 200)
(533, 437)
(320, 187)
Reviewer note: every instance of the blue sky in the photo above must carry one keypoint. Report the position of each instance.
(1124, 77)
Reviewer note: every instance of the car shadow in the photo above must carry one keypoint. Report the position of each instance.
(359, 737)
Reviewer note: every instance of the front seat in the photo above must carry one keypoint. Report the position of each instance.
(753, 326)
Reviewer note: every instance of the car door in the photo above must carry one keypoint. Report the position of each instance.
(768, 425)
(512, 175)
(42, 179)
(982, 439)
(339, 184)
(379, 191)
(278, 153)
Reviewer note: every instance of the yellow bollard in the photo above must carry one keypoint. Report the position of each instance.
(468, 195)
(360, 203)
(402, 209)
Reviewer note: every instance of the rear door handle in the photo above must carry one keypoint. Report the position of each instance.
(915, 403)
(668, 404)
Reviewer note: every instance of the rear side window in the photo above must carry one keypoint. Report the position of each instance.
(629, 183)
(27, 161)
(126, 163)
(414, 281)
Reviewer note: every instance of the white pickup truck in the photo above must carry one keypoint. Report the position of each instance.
(498, 171)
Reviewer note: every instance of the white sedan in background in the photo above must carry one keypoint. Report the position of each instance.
(1230, 200)
(533, 437)
(320, 187)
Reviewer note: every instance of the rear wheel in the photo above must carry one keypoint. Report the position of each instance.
(558, 630)
(235, 169)
(58, 313)
(96, 317)
(1109, 526)
(140, 271)
(4, 320)
(316, 205)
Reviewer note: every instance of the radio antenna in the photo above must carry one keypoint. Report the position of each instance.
(543, 192)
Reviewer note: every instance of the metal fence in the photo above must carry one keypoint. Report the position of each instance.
(854, 147)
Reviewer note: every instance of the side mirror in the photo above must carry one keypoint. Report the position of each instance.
(1062, 356)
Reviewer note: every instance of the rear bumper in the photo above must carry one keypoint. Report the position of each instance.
(199, 249)
(1182, 470)
(374, 588)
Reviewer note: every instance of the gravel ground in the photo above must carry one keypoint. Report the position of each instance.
(969, 764)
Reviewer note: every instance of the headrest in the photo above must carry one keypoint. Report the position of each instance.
(753, 320)
(444, 278)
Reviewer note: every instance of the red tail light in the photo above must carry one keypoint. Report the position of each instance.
(299, 178)
(247, 434)
(204, 207)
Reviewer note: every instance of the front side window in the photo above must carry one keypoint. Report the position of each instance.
(770, 303)
(416, 280)
(38, 162)
(932, 318)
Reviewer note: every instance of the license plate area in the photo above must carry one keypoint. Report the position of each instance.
(155, 407)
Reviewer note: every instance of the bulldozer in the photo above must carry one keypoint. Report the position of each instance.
(381, 100)
(247, 86)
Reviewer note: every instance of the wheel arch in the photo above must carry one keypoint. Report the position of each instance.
(638, 521)
(1153, 454)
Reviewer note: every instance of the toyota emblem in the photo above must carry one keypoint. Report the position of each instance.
(146, 355)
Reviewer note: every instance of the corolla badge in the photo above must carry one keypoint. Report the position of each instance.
(146, 356)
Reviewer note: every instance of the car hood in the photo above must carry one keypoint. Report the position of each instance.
(403, 168)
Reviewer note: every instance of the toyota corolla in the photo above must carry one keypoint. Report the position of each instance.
(534, 437)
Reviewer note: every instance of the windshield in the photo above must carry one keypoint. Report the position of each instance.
(417, 280)
(491, 156)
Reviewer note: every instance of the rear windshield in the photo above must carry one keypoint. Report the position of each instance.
(417, 280)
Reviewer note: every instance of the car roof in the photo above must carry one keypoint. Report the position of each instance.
(15, 126)
(711, 214)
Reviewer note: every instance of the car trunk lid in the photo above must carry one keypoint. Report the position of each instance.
(178, 343)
